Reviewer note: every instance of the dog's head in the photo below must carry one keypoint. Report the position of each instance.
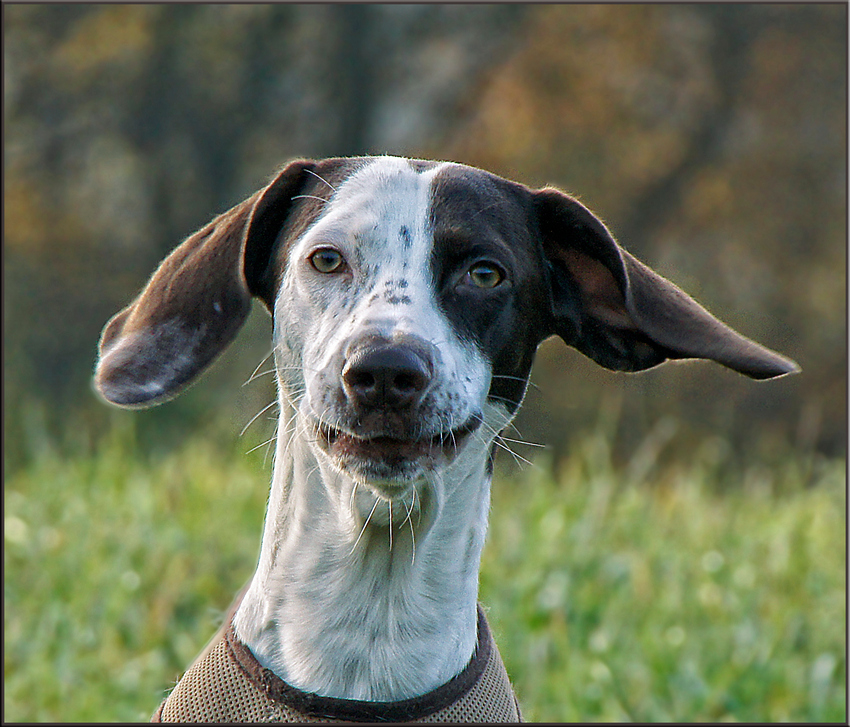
(408, 299)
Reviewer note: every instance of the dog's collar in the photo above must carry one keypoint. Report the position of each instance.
(227, 683)
(353, 710)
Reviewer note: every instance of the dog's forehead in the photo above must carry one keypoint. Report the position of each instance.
(387, 176)
(389, 199)
(378, 217)
(469, 203)
(385, 190)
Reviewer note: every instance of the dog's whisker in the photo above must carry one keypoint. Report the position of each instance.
(437, 342)
(289, 431)
(410, 508)
(256, 376)
(259, 365)
(499, 441)
(409, 520)
(365, 524)
(528, 382)
(270, 449)
(507, 401)
(353, 494)
(257, 415)
(262, 444)
(497, 203)
(295, 395)
(522, 441)
(512, 425)
(518, 457)
(310, 196)
(320, 178)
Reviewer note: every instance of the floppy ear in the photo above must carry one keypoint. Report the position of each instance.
(197, 299)
(623, 315)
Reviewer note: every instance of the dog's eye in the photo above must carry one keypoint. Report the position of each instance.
(327, 260)
(485, 275)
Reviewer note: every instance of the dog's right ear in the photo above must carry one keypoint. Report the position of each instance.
(197, 299)
(623, 315)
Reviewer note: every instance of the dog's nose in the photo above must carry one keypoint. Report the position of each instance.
(390, 376)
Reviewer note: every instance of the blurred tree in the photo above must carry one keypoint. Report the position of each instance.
(710, 137)
(712, 140)
(128, 126)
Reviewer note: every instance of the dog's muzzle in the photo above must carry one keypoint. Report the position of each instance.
(387, 431)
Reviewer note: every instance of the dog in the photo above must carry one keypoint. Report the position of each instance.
(408, 298)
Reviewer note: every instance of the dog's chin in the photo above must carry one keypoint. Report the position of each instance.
(387, 465)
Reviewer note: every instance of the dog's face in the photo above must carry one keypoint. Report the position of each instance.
(408, 316)
(408, 298)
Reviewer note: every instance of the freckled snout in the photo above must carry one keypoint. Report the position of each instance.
(387, 375)
(390, 421)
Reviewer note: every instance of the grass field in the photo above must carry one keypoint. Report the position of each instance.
(694, 592)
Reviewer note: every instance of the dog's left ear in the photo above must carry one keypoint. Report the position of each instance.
(623, 315)
(196, 301)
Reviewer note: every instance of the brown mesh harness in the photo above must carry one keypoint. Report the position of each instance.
(226, 683)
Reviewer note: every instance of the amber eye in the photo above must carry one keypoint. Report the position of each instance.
(484, 275)
(327, 260)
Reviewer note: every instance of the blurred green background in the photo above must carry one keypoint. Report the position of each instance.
(711, 138)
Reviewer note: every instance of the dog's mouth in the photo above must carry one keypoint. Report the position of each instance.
(389, 458)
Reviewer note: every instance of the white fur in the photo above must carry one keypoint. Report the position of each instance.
(367, 590)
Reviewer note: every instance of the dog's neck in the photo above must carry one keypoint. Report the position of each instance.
(355, 598)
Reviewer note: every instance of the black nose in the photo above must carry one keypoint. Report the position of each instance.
(386, 376)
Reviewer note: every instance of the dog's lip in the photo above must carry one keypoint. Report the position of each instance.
(381, 446)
